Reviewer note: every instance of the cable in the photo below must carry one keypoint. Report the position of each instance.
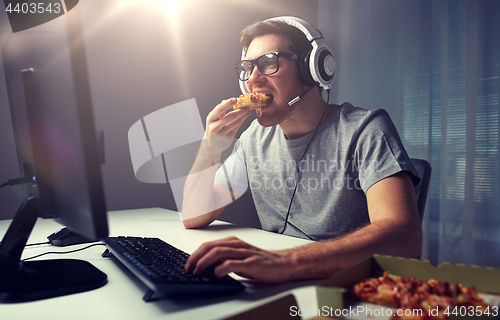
(17, 181)
(297, 174)
(65, 252)
(37, 244)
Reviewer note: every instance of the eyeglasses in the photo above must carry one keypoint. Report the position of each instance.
(267, 63)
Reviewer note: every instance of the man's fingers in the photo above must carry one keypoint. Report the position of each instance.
(234, 255)
(233, 126)
(220, 254)
(242, 268)
(220, 109)
(226, 123)
(233, 116)
(205, 248)
(221, 127)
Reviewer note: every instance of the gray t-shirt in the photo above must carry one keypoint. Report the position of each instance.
(352, 150)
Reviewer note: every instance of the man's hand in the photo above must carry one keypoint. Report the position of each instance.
(221, 127)
(234, 255)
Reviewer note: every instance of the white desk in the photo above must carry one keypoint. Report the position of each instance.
(121, 297)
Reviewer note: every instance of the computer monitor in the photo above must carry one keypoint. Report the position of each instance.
(56, 142)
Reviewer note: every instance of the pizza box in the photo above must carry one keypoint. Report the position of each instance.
(275, 309)
(330, 293)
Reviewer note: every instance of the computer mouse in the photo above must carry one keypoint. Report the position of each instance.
(66, 237)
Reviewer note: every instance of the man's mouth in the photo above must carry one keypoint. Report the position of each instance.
(267, 104)
(270, 100)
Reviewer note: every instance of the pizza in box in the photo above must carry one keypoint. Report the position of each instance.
(416, 299)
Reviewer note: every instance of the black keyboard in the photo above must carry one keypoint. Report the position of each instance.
(161, 267)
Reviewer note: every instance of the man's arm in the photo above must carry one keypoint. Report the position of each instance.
(204, 198)
(394, 230)
(221, 199)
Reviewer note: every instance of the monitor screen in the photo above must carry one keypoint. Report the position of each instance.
(56, 140)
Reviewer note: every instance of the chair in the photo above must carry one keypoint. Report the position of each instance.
(421, 189)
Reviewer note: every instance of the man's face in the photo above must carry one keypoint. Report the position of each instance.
(284, 85)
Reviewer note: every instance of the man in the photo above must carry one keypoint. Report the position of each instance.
(332, 173)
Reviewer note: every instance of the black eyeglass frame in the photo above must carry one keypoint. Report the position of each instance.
(254, 63)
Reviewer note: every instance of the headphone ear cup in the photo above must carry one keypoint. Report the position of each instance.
(325, 67)
(303, 68)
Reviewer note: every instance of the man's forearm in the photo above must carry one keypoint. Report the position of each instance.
(199, 201)
(320, 260)
(203, 199)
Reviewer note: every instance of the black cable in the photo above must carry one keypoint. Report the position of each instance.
(297, 174)
(17, 181)
(37, 244)
(65, 252)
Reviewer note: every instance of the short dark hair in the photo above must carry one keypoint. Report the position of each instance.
(297, 40)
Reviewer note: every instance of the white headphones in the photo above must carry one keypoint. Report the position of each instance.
(317, 66)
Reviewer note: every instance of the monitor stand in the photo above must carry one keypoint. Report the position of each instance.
(39, 279)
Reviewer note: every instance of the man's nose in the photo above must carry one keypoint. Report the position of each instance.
(256, 76)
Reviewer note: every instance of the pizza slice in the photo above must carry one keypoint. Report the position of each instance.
(253, 100)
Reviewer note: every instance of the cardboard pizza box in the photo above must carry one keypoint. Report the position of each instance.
(276, 309)
(332, 301)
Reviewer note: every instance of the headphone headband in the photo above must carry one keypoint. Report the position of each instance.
(309, 31)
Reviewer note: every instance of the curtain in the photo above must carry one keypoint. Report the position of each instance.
(441, 87)
(449, 62)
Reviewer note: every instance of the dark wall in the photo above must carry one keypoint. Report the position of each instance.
(364, 36)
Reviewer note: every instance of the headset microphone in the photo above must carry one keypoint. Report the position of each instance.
(297, 98)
